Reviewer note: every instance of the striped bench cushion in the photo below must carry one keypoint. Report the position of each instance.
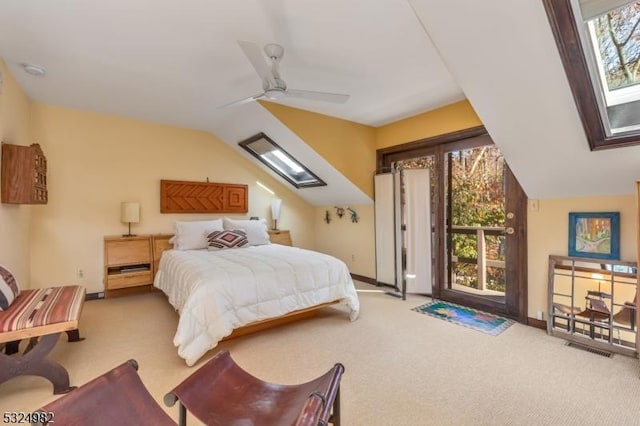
(38, 307)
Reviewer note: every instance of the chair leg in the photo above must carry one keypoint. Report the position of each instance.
(335, 415)
(33, 363)
(12, 347)
(182, 415)
(74, 335)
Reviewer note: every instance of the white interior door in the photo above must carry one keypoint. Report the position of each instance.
(385, 229)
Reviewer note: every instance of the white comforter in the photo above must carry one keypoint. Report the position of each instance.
(218, 291)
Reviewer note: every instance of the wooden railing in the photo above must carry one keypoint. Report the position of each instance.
(481, 232)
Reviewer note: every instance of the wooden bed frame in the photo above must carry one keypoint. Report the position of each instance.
(161, 243)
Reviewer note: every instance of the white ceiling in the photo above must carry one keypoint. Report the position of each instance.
(503, 55)
(175, 61)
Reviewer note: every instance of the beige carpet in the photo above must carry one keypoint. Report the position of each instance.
(402, 367)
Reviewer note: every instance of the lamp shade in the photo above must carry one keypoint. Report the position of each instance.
(276, 204)
(130, 212)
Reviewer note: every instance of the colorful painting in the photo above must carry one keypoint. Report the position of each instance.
(594, 235)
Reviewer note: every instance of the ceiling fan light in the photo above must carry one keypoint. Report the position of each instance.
(274, 94)
(34, 70)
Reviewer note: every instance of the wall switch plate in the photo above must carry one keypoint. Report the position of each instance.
(534, 205)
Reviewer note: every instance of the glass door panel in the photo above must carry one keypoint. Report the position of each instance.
(475, 224)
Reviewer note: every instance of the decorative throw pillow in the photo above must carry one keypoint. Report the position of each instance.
(231, 238)
(256, 229)
(191, 235)
(9, 289)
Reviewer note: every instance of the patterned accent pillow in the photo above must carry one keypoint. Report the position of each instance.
(231, 238)
(9, 289)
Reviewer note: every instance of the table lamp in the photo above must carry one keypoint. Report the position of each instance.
(129, 213)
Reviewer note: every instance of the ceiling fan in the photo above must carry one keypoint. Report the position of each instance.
(274, 87)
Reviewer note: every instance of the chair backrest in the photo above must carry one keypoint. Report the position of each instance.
(118, 397)
(222, 393)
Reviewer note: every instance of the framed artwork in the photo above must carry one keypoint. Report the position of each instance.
(595, 235)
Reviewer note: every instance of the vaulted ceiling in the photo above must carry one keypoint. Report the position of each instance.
(176, 61)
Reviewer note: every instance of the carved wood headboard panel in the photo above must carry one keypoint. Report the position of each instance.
(203, 197)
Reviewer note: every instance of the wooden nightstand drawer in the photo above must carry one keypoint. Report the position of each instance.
(129, 280)
(128, 251)
(280, 237)
(128, 263)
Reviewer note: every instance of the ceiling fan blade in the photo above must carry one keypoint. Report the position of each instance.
(242, 101)
(318, 96)
(257, 59)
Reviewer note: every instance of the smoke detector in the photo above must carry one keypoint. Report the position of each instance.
(34, 70)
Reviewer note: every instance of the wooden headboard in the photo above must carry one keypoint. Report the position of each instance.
(178, 196)
(160, 244)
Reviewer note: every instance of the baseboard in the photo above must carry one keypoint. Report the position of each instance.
(94, 296)
(537, 323)
(364, 279)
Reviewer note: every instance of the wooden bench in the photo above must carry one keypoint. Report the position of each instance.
(39, 315)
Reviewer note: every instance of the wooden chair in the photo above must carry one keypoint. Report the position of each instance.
(117, 397)
(597, 312)
(39, 315)
(222, 393)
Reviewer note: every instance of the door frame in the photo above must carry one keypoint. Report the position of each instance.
(516, 304)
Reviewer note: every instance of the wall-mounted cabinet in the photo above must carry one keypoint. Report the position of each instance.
(24, 174)
(594, 303)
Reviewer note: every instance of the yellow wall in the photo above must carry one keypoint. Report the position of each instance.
(547, 228)
(14, 219)
(353, 243)
(548, 233)
(349, 147)
(97, 161)
(450, 118)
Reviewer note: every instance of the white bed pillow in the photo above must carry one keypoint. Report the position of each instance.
(192, 235)
(256, 229)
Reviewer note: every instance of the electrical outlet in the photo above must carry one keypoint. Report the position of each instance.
(540, 315)
(353, 257)
(80, 273)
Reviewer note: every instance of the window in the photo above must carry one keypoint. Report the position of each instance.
(599, 43)
(280, 161)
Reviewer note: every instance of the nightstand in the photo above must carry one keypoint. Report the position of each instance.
(128, 263)
(280, 236)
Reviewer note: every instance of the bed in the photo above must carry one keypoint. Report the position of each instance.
(217, 292)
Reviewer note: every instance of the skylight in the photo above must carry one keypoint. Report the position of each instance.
(615, 44)
(280, 161)
(599, 42)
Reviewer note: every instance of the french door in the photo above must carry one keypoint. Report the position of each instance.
(478, 221)
(484, 230)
